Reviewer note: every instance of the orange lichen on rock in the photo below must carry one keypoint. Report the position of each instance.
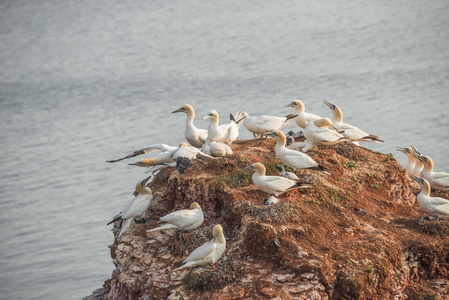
(355, 234)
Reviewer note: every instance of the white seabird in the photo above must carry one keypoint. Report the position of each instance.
(264, 124)
(216, 149)
(165, 155)
(349, 131)
(136, 207)
(437, 180)
(435, 206)
(418, 164)
(273, 185)
(292, 158)
(225, 133)
(289, 175)
(208, 253)
(195, 136)
(411, 159)
(302, 117)
(321, 132)
(183, 156)
(187, 219)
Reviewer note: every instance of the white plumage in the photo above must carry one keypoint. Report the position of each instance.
(208, 253)
(136, 207)
(264, 124)
(182, 219)
(226, 133)
(435, 206)
(437, 180)
(273, 185)
(195, 136)
(216, 149)
(292, 158)
(302, 117)
(411, 159)
(418, 164)
(318, 132)
(164, 156)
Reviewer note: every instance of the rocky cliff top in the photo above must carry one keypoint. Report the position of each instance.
(355, 234)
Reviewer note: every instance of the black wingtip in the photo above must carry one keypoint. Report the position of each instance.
(115, 220)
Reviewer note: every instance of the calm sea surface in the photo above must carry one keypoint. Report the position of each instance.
(86, 81)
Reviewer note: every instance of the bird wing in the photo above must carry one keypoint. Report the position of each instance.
(270, 123)
(136, 207)
(441, 179)
(202, 135)
(351, 132)
(181, 218)
(327, 135)
(298, 160)
(277, 183)
(201, 252)
(161, 147)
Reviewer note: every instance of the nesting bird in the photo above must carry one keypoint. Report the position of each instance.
(270, 201)
(225, 133)
(292, 158)
(187, 219)
(321, 132)
(349, 131)
(437, 180)
(261, 125)
(195, 136)
(435, 206)
(273, 185)
(136, 207)
(208, 253)
(216, 149)
(302, 117)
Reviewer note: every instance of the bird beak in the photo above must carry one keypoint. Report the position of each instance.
(291, 104)
(403, 150)
(207, 116)
(331, 106)
(144, 182)
(139, 164)
(333, 127)
(417, 179)
(182, 109)
(249, 168)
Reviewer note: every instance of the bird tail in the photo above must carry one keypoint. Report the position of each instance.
(371, 138)
(115, 220)
(290, 116)
(320, 168)
(125, 225)
(239, 117)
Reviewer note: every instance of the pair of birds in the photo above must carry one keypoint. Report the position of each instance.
(323, 131)
(420, 169)
(216, 139)
(186, 219)
(422, 166)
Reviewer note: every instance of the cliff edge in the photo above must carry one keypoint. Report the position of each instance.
(355, 234)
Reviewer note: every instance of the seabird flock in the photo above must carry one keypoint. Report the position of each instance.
(214, 142)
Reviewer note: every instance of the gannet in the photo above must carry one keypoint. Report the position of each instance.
(437, 180)
(183, 157)
(187, 219)
(292, 158)
(208, 253)
(216, 149)
(226, 133)
(418, 164)
(273, 185)
(264, 124)
(302, 117)
(321, 132)
(411, 159)
(349, 131)
(434, 206)
(286, 174)
(270, 201)
(196, 137)
(136, 207)
(164, 157)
